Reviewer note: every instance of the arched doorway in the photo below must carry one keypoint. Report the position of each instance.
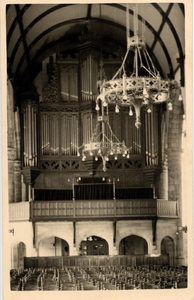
(167, 247)
(18, 254)
(53, 246)
(93, 245)
(133, 245)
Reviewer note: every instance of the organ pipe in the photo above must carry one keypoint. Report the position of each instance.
(134, 139)
(151, 138)
(47, 136)
(27, 153)
(90, 67)
(29, 111)
(146, 137)
(156, 138)
(35, 140)
(89, 72)
(69, 133)
(32, 113)
(72, 135)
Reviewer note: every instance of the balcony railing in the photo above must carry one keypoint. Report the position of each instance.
(19, 211)
(84, 209)
(166, 208)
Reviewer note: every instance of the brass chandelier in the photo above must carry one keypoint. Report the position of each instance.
(136, 91)
(104, 143)
(133, 91)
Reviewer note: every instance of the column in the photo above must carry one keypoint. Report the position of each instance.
(163, 181)
(175, 170)
(11, 158)
(17, 180)
(10, 141)
(23, 189)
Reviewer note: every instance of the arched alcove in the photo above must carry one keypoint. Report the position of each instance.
(18, 254)
(53, 246)
(93, 245)
(167, 247)
(133, 245)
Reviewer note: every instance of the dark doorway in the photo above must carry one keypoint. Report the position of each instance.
(133, 245)
(167, 247)
(93, 245)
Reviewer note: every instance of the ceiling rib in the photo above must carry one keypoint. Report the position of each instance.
(162, 25)
(105, 22)
(118, 6)
(37, 19)
(177, 40)
(7, 7)
(59, 25)
(30, 26)
(89, 11)
(54, 44)
(16, 20)
(182, 7)
(22, 34)
(36, 67)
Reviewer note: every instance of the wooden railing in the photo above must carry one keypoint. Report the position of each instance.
(166, 208)
(97, 208)
(19, 211)
(94, 260)
(84, 209)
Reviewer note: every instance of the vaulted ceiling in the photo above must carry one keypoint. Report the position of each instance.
(36, 31)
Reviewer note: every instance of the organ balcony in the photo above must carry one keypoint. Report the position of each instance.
(92, 209)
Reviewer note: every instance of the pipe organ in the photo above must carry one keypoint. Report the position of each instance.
(69, 83)
(132, 135)
(49, 134)
(88, 124)
(151, 138)
(89, 74)
(30, 150)
(68, 119)
(69, 134)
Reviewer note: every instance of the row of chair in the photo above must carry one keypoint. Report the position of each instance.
(100, 278)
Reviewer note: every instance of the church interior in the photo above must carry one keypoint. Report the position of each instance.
(96, 143)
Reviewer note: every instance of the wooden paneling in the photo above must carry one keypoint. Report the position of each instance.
(106, 260)
(166, 208)
(136, 207)
(52, 208)
(19, 211)
(87, 209)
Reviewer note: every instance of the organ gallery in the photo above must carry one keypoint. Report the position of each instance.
(96, 130)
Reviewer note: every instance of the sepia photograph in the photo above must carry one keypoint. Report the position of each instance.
(97, 144)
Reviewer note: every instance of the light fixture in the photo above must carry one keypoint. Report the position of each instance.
(84, 238)
(136, 90)
(104, 143)
(11, 231)
(181, 228)
(180, 97)
(130, 111)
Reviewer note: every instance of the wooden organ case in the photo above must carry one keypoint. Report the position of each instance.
(64, 118)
